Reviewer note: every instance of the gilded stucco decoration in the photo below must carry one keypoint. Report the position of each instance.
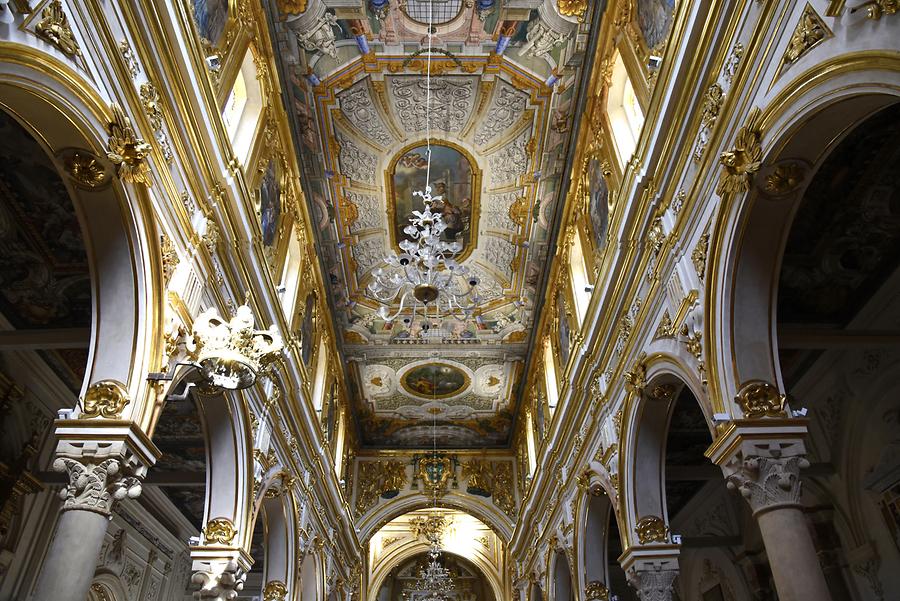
(431, 528)
(54, 27)
(107, 398)
(379, 478)
(275, 590)
(152, 104)
(435, 472)
(126, 150)
(698, 256)
(219, 531)
(596, 590)
(572, 8)
(875, 9)
(809, 33)
(652, 529)
(85, 169)
(170, 257)
(785, 178)
(741, 162)
(759, 399)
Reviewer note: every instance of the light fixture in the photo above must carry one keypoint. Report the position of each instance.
(426, 274)
(435, 582)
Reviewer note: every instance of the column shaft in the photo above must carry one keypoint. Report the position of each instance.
(792, 556)
(69, 565)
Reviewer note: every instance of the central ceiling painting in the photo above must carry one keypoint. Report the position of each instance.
(504, 84)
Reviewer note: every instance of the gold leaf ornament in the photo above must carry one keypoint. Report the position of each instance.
(219, 531)
(54, 28)
(126, 150)
(572, 8)
(275, 590)
(107, 399)
(741, 162)
(652, 529)
(759, 399)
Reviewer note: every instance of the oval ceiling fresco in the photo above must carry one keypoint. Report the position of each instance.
(434, 380)
(454, 178)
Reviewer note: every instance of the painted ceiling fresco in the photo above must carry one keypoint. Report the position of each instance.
(500, 126)
(44, 276)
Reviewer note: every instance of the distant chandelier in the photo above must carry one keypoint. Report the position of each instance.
(426, 272)
(435, 582)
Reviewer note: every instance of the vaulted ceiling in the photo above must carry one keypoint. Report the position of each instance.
(355, 88)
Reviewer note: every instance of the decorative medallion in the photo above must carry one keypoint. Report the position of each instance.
(106, 398)
(572, 8)
(758, 398)
(652, 529)
(596, 590)
(434, 471)
(85, 169)
(219, 531)
(275, 590)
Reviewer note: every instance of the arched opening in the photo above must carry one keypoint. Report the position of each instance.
(469, 582)
(310, 580)
(626, 118)
(536, 593)
(838, 282)
(562, 579)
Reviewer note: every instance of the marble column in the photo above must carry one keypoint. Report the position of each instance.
(94, 486)
(766, 471)
(105, 461)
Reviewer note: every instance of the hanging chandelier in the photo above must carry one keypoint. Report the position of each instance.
(435, 582)
(426, 273)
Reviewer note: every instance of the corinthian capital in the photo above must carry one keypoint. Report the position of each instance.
(96, 486)
(766, 481)
(653, 583)
(221, 582)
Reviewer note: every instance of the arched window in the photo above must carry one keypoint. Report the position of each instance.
(580, 284)
(243, 108)
(321, 373)
(290, 276)
(625, 115)
(550, 375)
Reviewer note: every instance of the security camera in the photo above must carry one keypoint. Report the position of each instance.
(281, 289)
(801, 412)
(589, 288)
(193, 540)
(654, 62)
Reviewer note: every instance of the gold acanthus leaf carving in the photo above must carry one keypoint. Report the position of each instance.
(54, 28)
(107, 398)
(810, 31)
(698, 256)
(572, 8)
(219, 531)
(169, 257)
(760, 399)
(741, 162)
(652, 529)
(712, 104)
(785, 178)
(126, 150)
(275, 590)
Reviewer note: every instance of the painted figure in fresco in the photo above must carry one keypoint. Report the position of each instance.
(434, 379)
(655, 19)
(269, 205)
(598, 201)
(210, 17)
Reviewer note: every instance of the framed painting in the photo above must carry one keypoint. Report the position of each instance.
(435, 381)
(655, 20)
(210, 17)
(455, 178)
(597, 191)
(270, 205)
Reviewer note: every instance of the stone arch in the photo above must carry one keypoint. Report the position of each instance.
(591, 548)
(800, 125)
(486, 512)
(48, 97)
(312, 578)
(407, 551)
(107, 587)
(277, 515)
(646, 419)
(561, 583)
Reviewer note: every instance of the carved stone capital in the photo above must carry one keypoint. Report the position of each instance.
(766, 481)
(218, 581)
(96, 486)
(105, 462)
(653, 582)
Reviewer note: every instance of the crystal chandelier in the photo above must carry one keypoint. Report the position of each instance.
(435, 582)
(426, 274)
